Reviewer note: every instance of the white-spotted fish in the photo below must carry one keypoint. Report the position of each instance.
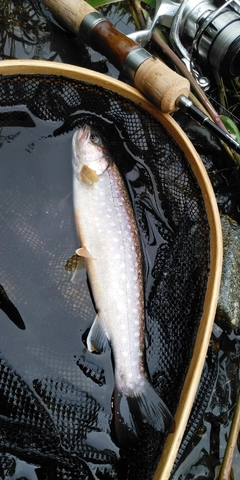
(110, 250)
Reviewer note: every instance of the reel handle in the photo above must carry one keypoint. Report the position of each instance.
(150, 76)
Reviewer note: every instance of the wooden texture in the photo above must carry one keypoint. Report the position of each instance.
(153, 78)
(113, 44)
(226, 467)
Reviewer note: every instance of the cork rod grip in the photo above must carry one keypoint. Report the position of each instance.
(152, 78)
(160, 84)
(70, 12)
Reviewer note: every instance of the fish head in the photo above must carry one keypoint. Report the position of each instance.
(89, 151)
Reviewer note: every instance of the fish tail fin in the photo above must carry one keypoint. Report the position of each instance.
(131, 412)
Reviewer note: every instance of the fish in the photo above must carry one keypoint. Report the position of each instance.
(110, 250)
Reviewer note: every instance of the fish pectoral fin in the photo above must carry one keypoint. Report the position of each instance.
(97, 339)
(63, 202)
(78, 265)
(88, 176)
(83, 252)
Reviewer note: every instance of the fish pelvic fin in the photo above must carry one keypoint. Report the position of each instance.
(83, 252)
(78, 265)
(132, 412)
(97, 339)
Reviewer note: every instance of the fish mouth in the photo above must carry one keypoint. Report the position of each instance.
(80, 137)
(83, 134)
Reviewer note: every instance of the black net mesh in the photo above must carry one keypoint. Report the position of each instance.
(55, 396)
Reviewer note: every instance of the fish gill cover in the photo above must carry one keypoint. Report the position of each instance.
(55, 396)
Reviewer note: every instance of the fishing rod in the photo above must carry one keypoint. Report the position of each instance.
(164, 87)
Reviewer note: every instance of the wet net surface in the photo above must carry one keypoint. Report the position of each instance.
(55, 396)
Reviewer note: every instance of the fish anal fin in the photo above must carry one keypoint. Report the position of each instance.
(88, 176)
(97, 339)
(132, 412)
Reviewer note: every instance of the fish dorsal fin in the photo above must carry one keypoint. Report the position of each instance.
(88, 176)
(97, 339)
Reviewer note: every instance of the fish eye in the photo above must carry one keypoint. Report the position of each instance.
(95, 138)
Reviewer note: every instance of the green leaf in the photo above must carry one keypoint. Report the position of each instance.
(231, 127)
(150, 2)
(233, 130)
(100, 3)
